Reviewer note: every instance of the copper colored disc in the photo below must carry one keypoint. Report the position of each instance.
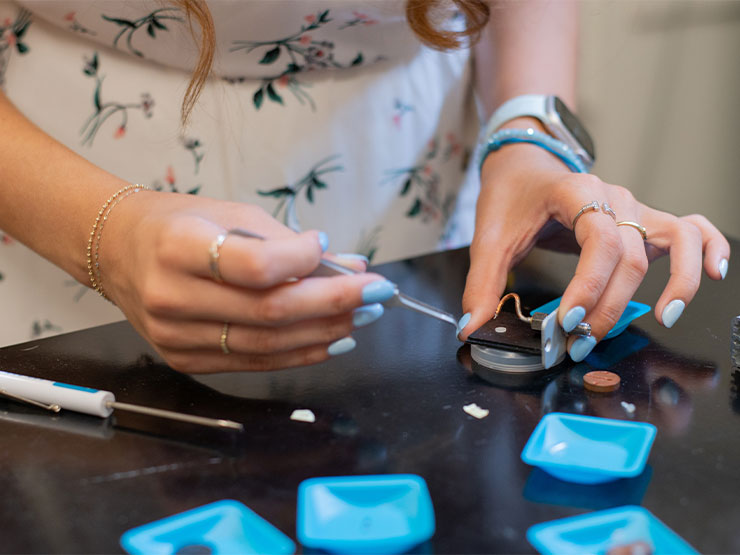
(601, 381)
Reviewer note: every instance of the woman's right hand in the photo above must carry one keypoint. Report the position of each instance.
(155, 265)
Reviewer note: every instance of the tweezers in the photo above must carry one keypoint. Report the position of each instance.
(327, 268)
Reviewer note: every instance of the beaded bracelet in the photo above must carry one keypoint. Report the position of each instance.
(558, 148)
(93, 242)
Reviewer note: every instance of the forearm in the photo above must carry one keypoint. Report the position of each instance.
(49, 196)
(529, 46)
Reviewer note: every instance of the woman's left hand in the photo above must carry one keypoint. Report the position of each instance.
(527, 194)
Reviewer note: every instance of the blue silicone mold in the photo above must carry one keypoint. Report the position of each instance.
(634, 310)
(588, 449)
(364, 514)
(222, 527)
(601, 531)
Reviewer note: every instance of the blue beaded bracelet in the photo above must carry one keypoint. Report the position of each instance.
(558, 148)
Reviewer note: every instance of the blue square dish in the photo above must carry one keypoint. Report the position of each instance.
(634, 310)
(222, 527)
(588, 449)
(604, 530)
(364, 514)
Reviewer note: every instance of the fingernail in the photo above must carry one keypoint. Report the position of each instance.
(723, 264)
(323, 241)
(341, 346)
(367, 314)
(573, 317)
(354, 256)
(378, 291)
(582, 347)
(463, 322)
(672, 312)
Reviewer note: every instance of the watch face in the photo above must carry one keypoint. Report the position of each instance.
(574, 126)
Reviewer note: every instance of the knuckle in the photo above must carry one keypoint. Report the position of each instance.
(161, 333)
(611, 313)
(338, 299)
(624, 195)
(264, 341)
(610, 244)
(157, 299)
(592, 285)
(273, 309)
(685, 282)
(260, 270)
(636, 265)
(336, 331)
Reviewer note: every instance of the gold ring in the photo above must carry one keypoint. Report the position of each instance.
(606, 209)
(637, 226)
(224, 337)
(593, 205)
(215, 254)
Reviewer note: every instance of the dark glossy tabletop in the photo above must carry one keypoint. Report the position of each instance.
(75, 483)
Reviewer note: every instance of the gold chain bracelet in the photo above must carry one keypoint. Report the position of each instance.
(93, 242)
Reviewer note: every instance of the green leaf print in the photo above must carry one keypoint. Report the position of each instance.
(415, 209)
(289, 194)
(275, 97)
(270, 56)
(258, 97)
(151, 22)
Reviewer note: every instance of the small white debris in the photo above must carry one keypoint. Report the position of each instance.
(303, 415)
(474, 410)
(629, 407)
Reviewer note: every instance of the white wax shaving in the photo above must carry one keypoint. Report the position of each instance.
(474, 410)
(629, 407)
(303, 415)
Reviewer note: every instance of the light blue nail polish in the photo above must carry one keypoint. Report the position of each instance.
(573, 317)
(723, 265)
(463, 322)
(341, 346)
(323, 241)
(378, 291)
(582, 347)
(354, 256)
(672, 312)
(367, 314)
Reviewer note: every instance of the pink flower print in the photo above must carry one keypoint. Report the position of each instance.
(7, 22)
(10, 39)
(310, 18)
(397, 120)
(7, 240)
(70, 16)
(305, 39)
(120, 132)
(283, 81)
(427, 170)
(359, 15)
(170, 178)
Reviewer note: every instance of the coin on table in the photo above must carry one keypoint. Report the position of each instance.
(636, 548)
(601, 381)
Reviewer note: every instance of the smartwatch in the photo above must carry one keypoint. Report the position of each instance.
(554, 115)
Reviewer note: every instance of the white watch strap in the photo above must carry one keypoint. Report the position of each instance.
(532, 105)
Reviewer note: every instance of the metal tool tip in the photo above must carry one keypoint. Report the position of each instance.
(231, 424)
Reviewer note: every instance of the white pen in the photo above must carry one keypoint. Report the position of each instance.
(55, 396)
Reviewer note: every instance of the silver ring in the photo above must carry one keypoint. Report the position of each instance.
(224, 337)
(591, 206)
(637, 226)
(606, 209)
(215, 254)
